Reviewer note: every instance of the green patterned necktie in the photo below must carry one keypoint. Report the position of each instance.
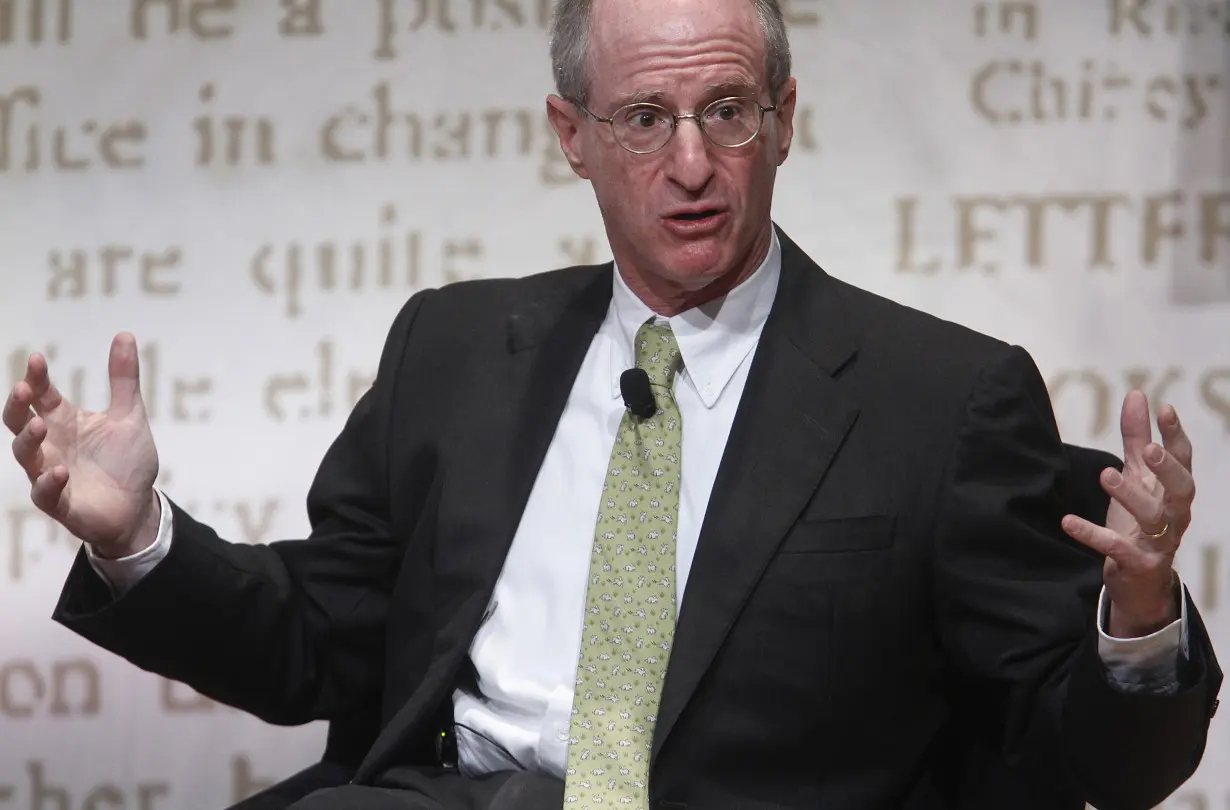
(630, 600)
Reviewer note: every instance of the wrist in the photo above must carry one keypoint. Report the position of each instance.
(1144, 620)
(142, 535)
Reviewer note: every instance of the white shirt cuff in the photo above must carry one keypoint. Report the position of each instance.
(1149, 663)
(123, 573)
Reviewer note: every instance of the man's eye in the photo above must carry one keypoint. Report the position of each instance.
(645, 119)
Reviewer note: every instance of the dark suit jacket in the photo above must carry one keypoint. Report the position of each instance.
(882, 610)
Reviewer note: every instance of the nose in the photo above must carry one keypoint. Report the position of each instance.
(688, 163)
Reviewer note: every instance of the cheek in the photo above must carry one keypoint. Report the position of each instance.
(761, 172)
(740, 182)
(626, 189)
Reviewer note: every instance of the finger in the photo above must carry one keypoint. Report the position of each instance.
(1179, 487)
(1106, 542)
(1135, 427)
(1174, 437)
(28, 447)
(46, 397)
(47, 493)
(1146, 507)
(17, 407)
(124, 371)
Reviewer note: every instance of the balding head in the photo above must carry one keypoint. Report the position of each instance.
(680, 133)
(572, 34)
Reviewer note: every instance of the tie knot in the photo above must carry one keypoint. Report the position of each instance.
(658, 353)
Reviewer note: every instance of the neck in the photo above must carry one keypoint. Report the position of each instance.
(667, 298)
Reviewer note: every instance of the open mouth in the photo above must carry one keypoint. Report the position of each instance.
(696, 215)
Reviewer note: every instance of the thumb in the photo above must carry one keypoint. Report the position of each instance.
(124, 372)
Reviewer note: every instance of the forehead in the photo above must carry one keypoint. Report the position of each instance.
(673, 48)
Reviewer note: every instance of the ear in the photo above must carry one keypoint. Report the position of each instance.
(566, 121)
(785, 120)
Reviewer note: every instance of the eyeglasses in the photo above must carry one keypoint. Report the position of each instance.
(643, 128)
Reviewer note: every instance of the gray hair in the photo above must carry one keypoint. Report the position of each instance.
(570, 47)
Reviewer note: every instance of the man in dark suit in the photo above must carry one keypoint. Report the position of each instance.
(841, 522)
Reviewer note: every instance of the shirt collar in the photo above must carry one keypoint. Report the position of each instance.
(714, 338)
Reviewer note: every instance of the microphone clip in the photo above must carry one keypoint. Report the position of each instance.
(637, 393)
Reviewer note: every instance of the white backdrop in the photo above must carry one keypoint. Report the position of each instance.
(253, 188)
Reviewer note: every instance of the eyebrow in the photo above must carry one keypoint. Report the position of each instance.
(640, 97)
(729, 87)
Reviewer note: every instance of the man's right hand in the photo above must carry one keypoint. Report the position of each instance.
(92, 472)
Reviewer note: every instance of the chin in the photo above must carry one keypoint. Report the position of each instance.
(696, 265)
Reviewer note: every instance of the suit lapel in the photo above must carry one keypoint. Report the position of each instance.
(790, 423)
(525, 386)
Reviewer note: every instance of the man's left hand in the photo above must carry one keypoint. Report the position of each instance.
(1150, 509)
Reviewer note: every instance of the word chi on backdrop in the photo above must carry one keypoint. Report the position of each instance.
(254, 188)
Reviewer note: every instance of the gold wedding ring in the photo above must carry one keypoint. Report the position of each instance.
(1159, 535)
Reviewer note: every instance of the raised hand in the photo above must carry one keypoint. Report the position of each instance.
(93, 472)
(1150, 509)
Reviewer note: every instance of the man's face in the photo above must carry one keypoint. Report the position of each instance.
(691, 212)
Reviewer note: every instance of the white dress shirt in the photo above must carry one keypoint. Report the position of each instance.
(526, 651)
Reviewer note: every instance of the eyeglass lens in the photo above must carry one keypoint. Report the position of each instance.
(647, 127)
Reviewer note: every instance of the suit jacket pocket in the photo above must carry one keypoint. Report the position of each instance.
(840, 534)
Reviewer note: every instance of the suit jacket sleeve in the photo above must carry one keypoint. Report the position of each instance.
(1017, 599)
(290, 632)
